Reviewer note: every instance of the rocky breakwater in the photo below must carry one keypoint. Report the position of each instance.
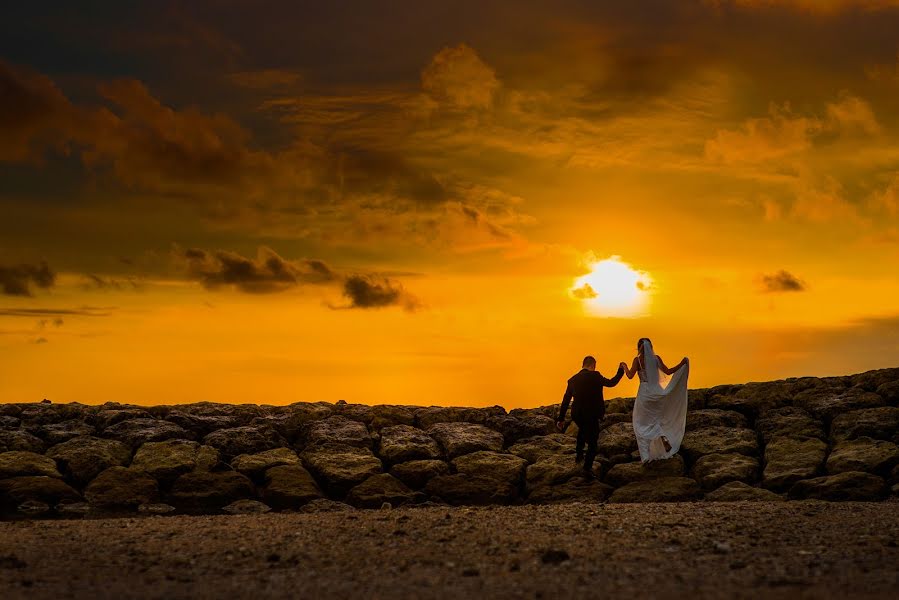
(829, 439)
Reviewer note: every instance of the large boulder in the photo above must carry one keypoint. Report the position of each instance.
(297, 416)
(289, 486)
(45, 413)
(889, 391)
(851, 485)
(504, 468)
(403, 443)
(871, 381)
(625, 473)
(617, 406)
(417, 473)
(38, 488)
(339, 467)
(166, 461)
(462, 489)
(239, 414)
(56, 433)
(200, 426)
(715, 417)
(457, 439)
(541, 447)
(737, 491)
(863, 454)
(337, 430)
(378, 489)
(121, 488)
(254, 466)
(519, 428)
(428, 416)
(106, 417)
(879, 423)
(83, 458)
(136, 432)
(719, 440)
(243, 440)
(552, 470)
(663, 489)
(789, 422)
(826, 404)
(388, 415)
(204, 491)
(788, 460)
(576, 489)
(752, 399)
(617, 439)
(714, 470)
(17, 439)
(17, 463)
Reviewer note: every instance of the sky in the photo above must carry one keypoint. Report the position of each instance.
(441, 202)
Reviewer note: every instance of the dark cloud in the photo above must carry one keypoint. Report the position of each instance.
(585, 292)
(41, 340)
(365, 291)
(782, 281)
(99, 282)
(18, 280)
(267, 273)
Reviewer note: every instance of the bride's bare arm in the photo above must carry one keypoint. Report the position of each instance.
(664, 369)
(633, 370)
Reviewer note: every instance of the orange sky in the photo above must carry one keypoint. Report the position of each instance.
(281, 201)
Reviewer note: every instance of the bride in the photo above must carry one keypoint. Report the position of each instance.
(660, 410)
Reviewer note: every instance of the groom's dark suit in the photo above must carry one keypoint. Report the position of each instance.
(588, 409)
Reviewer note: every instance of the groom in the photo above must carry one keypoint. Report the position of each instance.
(588, 409)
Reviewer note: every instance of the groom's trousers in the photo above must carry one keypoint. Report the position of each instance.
(587, 434)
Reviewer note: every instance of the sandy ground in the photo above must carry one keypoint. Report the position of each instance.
(700, 550)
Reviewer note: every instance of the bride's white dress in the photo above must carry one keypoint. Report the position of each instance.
(660, 408)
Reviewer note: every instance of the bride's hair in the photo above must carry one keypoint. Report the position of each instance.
(640, 344)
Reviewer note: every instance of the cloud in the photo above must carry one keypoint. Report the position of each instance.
(457, 77)
(822, 7)
(364, 291)
(782, 281)
(779, 134)
(99, 282)
(585, 292)
(83, 311)
(18, 280)
(265, 79)
(267, 273)
(851, 115)
(41, 340)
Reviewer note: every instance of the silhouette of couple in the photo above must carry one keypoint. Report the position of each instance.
(660, 408)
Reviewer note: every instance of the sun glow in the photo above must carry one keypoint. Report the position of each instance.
(613, 288)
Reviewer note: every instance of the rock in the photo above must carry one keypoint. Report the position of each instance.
(879, 423)
(33, 508)
(379, 489)
(20, 440)
(461, 489)
(576, 489)
(255, 465)
(714, 470)
(506, 469)
(203, 491)
(457, 439)
(403, 443)
(617, 439)
(45, 413)
(719, 440)
(106, 418)
(715, 417)
(165, 461)
(136, 432)
(752, 399)
(239, 414)
(552, 470)
(200, 426)
(625, 473)
(614, 419)
(340, 468)
(663, 489)
(7, 422)
(156, 508)
(863, 454)
(871, 381)
(737, 491)
(56, 433)
(323, 505)
(549, 410)
(788, 460)
(81, 459)
(337, 430)
(827, 404)
(17, 463)
(789, 422)
(617, 405)
(889, 391)
(417, 473)
(50, 490)
(73, 509)
(386, 415)
(427, 417)
(298, 415)
(514, 429)
(851, 485)
(541, 447)
(121, 488)
(243, 440)
(289, 486)
(247, 507)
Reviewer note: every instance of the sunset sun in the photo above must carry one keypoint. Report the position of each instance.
(613, 288)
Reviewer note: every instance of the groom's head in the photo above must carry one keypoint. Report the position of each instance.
(589, 363)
